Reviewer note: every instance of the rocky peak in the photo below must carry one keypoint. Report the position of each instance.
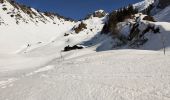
(98, 13)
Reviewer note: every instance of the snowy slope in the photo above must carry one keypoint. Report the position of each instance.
(20, 32)
(94, 26)
(42, 31)
(143, 4)
(163, 15)
(120, 75)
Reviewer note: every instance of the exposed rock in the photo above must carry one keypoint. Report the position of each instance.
(118, 16)
(68, 48)
(66, 34)
(33, 13)
(99, 14)
(149, 18)
(4, 8)
(1, 1)
(80, 27)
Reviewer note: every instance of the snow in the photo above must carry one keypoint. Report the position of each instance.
(44, 69)
(163, 15)
(34, 67)
(143, 4)
(124, 74)
(31, 32)
(101, 11)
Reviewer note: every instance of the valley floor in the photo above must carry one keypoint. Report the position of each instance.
(110, 75)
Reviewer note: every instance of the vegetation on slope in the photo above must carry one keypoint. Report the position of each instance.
(118, 16)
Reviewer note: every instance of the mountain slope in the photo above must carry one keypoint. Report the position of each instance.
(163, 15)
(45, 28)
(143, 4)
(28, 28)
(93, 26)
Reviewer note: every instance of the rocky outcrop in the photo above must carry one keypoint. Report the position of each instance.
(118, 16)
(80, 27)
(149, 18)
(34, 15)
(69, 48)
(99, 13)
(1, 1)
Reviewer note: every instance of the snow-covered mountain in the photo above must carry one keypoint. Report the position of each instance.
(153, 6)
(144, 4)
(33, 29)
(34, 64)
(21, 25)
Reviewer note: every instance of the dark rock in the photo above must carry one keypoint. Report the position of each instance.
(1, 1)
(80, 27)
(99, 14)
(69, 48)
(149, 18)
(66, 34)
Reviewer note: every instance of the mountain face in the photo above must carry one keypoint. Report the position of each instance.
(132, 29)
(143, 4)
(28, 25)
(23, 13)
(33, 29)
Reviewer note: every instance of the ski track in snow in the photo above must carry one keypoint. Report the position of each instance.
(49, 67)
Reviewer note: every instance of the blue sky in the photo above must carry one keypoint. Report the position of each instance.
(76, 9)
